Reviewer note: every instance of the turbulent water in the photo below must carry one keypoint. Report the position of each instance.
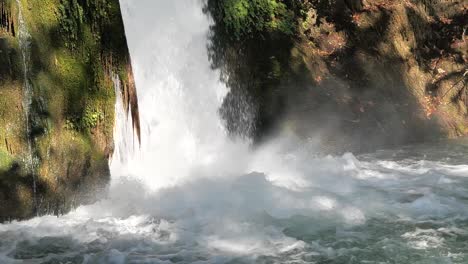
(388, 207)
(190, 194)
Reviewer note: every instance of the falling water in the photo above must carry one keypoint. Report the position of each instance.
(125, 141)
(25, 47)
(179, 95)
(191, 194)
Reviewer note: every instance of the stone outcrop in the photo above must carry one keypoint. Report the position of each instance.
(54, 146)
(356, 74)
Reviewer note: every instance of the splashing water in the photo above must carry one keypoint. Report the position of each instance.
(192, 195)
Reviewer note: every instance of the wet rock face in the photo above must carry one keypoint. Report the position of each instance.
(7, 23)
(358, 74)
(54, 148)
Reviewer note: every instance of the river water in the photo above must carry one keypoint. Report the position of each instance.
(192, 194)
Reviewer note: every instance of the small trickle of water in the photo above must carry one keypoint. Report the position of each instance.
(125, 140)
(24, 39)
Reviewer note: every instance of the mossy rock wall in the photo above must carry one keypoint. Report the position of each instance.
(75, 47)
(356, 74)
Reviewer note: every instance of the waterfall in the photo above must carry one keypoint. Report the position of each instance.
(24, 39)
(179, 95)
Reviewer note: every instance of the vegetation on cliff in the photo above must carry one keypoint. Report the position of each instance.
(75, 47)
(243, 18)
(356, 73)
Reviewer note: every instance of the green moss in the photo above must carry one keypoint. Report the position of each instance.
(5, 160)
(70, 70)
(75, 45)
(73, 61)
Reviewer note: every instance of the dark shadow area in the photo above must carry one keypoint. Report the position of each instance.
(252, 67)
(15, 189)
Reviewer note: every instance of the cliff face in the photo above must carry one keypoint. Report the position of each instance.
(57, 63)
(358, 74)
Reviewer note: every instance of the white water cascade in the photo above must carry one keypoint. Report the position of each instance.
(179, 96)
(190, 194)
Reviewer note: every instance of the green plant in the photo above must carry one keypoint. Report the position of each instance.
(91, 118)
(96, 11)
(71, 18)
(244, 17)
(88, 120)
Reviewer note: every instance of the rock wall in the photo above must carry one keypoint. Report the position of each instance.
(356, 74)
(54, 146)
